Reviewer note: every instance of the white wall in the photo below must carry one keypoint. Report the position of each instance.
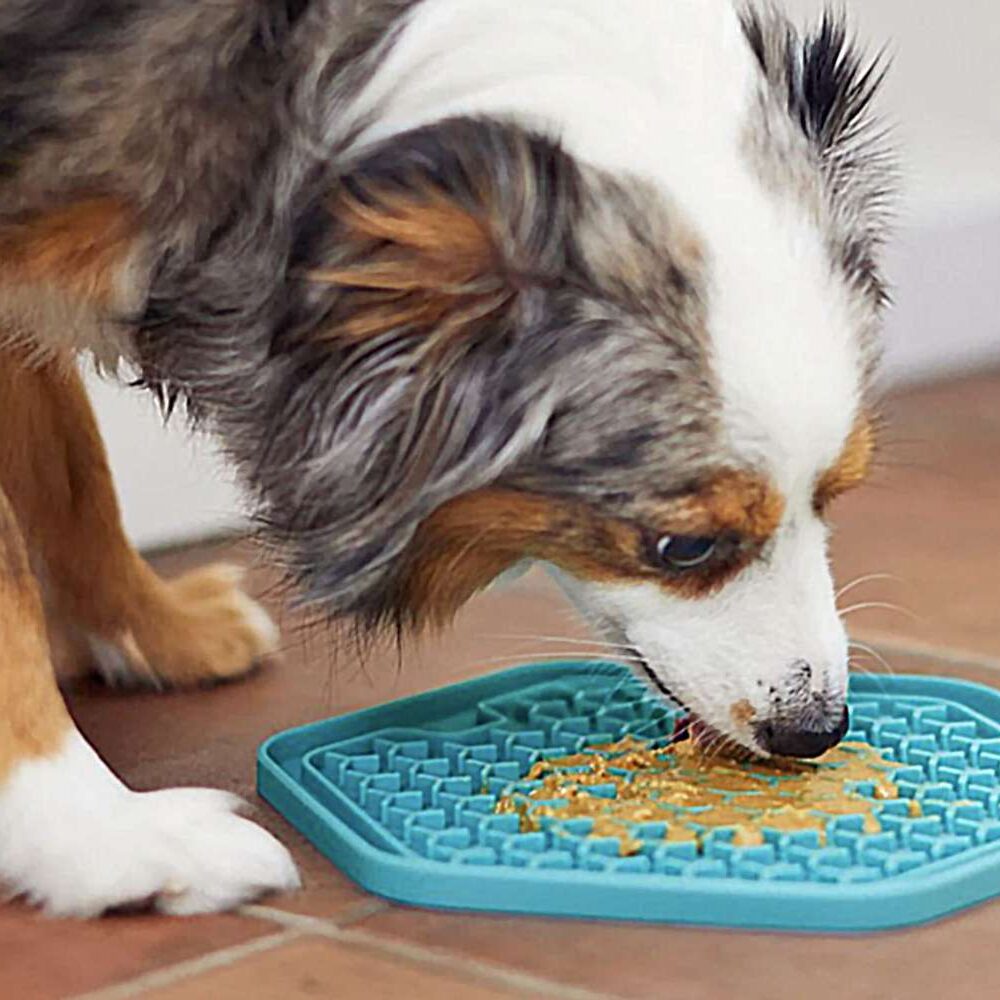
(173, 488)
(945, 263)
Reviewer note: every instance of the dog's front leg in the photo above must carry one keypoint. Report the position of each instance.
(73, 838)
(106, 607)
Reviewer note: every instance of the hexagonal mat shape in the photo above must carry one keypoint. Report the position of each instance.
(404, 797)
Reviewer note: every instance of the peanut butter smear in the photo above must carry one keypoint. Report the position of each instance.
(628, 782)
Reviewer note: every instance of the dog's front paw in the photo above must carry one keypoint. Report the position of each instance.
(77, 842)
(200, 628)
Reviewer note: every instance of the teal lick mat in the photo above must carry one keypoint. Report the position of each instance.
(403, 797)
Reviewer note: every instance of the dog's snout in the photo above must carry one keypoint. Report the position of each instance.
(806, 716)
(801, 737)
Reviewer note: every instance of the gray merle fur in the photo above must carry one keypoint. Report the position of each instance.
(222, 125)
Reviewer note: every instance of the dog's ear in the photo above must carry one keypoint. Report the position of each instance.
(439, 230)
(824, 77)
(829, 87)
(413, 376)
(412, 259)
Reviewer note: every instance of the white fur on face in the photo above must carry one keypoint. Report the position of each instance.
(646, 87)
(740, 644)
(665, 90)
(76, 841)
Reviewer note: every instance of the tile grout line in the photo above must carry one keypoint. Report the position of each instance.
(356, 912)
(184, 970)
(929, 650)
(440, 958)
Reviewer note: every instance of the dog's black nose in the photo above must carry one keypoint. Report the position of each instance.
(788, 740)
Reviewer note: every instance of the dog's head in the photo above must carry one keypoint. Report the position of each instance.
(495, 349)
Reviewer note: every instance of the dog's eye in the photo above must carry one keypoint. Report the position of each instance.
(683, 552)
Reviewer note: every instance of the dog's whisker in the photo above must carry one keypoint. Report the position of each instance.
(716, 744)
(559, 638)
(573, 654)
(884, 605)
(649, 724)
(868, 578)
(857, 667)
(872, 652)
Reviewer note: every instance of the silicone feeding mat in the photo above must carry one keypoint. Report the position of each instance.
(443, 800)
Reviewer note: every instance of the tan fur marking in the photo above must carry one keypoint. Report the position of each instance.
(737, 502)
(33, 718)
(454, 244)
(423, 262)
(54, 468)
(76, 249)
(66, 279)
(742, 712)
(468, 542)
(850, 469)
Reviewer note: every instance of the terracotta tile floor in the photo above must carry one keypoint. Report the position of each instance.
(931, 519)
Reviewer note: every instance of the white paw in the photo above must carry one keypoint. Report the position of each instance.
(77, 842)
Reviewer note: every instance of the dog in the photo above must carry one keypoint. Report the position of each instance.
(457, 286)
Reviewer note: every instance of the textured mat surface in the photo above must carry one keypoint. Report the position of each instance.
(404, 798)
